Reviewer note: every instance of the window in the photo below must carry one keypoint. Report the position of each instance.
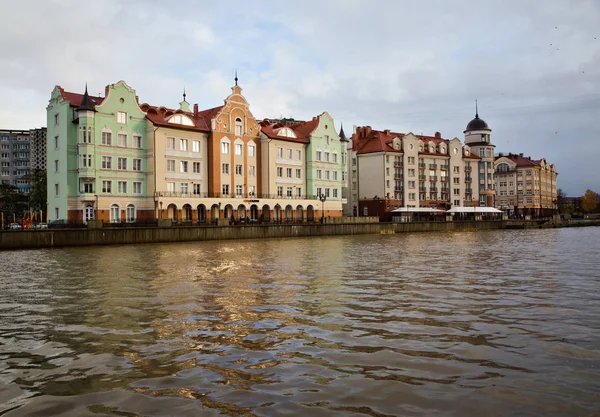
(183, 166)
(252, 171)
(184, 188)
(251, 150)
(56, 124)
(411, 159)
(196, 146)
(319, 192)
(122, 187)
(299, 155)
(289, 153)
(137, 141)
(326, 175)
(457, 202)
(107, 162)
(122, 139)
(106, 186)
(56, 189)
(239, 169)
(238, 127)
(122, 163)
(289, 192)
(335, 193)
(457, 191)
(224, 147)
(326, 156)
(171, 143)
(279, 191)
(298, 173)
(225, 189)
(183, 145)
(137, 165)
(121, 117)
(55, 165)
(196, 189)
(411, 184)
(411, 172)
(170, 165)
(327, 192)
(299, 192)
(225, 168)
(88, 187)
(171, 187)
(196, 167)
(412, 196)
(318, 155)
(115, 214)
(238, 148)
(251, 190)
(327, 139)
(137, 187)
(289, 172)
(106, 138)
(279, 172)
(239, 189)
(334, 156)
(335, 176)
(85, 161)
(319, 174)
(280, 153)
(130, 213)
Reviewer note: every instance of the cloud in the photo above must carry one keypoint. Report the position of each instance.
(400, 65)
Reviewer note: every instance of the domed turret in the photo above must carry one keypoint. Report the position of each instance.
(477, 123)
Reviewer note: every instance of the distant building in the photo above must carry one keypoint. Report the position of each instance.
(525, 186)
(37, 148)
(15, 158)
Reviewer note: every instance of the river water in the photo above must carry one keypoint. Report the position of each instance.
(498, 323)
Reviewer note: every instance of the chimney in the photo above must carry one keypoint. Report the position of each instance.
(196, 110)
(386, 131)
(520, 154)
(438, 135)
(500, 154)
(367, 130)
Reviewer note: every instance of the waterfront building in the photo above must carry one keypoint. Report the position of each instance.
(477, 136)
(15, 158)
(525, 186)
(389, 170)
(112, 159)
(99, 160)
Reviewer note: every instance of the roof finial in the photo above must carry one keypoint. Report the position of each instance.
(476, 111)
(86, 87)
(236, 77)
(184, 93)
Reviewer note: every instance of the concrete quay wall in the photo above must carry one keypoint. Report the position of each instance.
(53, 238)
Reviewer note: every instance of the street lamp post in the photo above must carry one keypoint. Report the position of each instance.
(322, 198)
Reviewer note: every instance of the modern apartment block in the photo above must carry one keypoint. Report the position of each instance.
(114, 159)
(389, 170)
(37, 148)
(15, 158)
(525, 186)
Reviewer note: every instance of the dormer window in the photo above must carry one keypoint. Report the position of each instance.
(181, 119)
(238, 127)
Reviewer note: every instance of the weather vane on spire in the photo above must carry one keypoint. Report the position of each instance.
(236, 78)
(476, 111)
(184, 93)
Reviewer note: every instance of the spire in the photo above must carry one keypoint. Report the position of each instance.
(236, 78)
(184, 93)
(86, 103)
(184, 105)
(342, 134)
(476, 111)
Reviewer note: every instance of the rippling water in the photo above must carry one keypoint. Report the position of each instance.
(462, 324)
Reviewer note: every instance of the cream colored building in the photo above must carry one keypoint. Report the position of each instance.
(525, 186)
(407, 170)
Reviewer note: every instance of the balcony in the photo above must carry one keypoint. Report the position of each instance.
(445, 167)
(398, 164)
(422, 189)
(469, 179)
(468, 191)
(433, 166)
(422, 177)
(421, 165)
(433, 189)
(433, 178)
(468, 169)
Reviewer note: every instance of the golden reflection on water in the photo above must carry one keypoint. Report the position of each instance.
(366, 325)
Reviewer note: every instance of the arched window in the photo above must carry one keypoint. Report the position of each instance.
(131, 213)
(115, 213)
(238, 127)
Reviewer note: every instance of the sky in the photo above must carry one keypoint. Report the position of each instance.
(407, 66)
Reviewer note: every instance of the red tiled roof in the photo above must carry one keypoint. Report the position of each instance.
(75, 99)
(521, 160)
(159, 116)
(304, 129)
(271, 130)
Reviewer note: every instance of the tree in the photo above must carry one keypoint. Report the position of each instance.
(560, 200)
(10, 200)
(589, 201)
(569, 209)
(37, 190)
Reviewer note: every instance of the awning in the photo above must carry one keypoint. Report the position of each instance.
(417, 210)
(481, 210)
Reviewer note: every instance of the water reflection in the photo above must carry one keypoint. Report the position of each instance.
(368, 325)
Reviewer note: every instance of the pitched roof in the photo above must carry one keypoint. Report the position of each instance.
(520, 160)
(75, 99)
(304, 129)
(272, 130)
(159, 116)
